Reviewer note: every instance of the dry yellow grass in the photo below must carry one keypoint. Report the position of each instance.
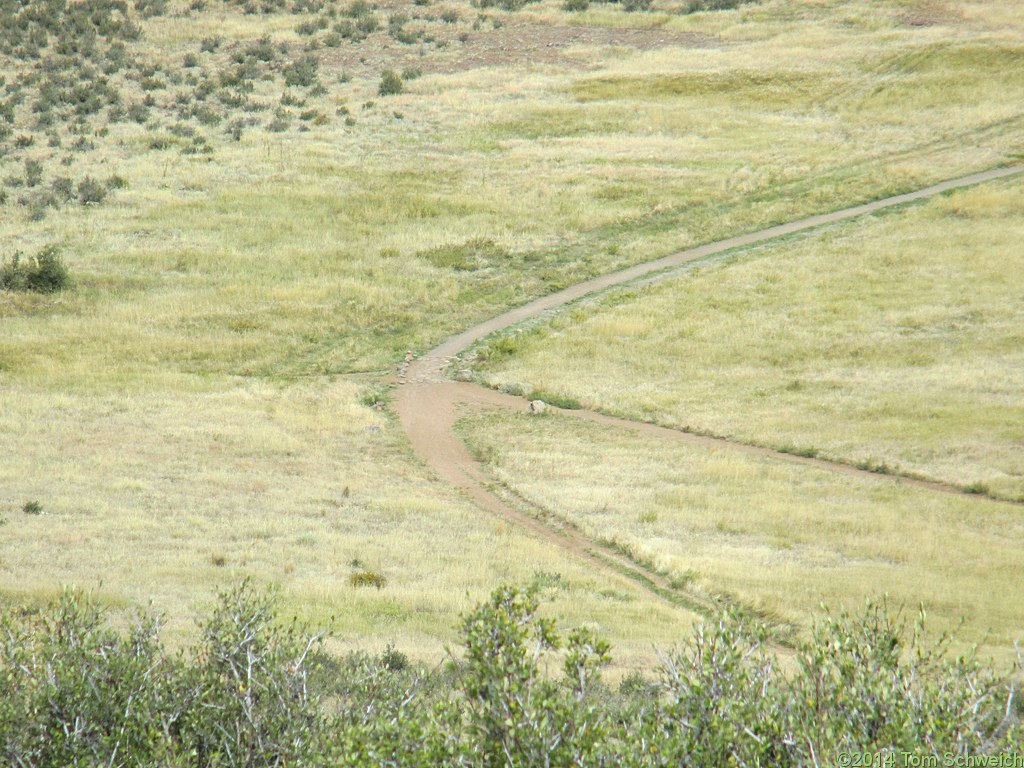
(778, 537)
(892, 343)
(171, 496)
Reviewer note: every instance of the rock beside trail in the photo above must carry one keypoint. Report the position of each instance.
(464, 375)
(538, 406)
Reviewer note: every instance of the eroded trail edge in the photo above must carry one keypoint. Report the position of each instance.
(428, 403)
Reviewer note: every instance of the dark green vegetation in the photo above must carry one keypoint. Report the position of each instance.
(43, 273)
(73, 691)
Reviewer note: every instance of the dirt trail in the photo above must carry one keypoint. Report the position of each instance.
(429, 412)
(428, 403)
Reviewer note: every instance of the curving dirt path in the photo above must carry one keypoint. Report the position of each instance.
(428, 403)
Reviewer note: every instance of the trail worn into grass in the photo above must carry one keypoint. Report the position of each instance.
(428, 404)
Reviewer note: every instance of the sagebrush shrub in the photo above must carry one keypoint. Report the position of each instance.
(390, 83)
(302, 72)
(43, 273)
(91, 191)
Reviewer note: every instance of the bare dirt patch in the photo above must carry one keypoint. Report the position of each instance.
(516, 43)
(930, 13)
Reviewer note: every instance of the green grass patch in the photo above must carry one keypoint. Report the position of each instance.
(556, 399)
(778, 89)
(475, 254)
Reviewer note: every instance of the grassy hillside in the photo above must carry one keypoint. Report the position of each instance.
(256, 234)
(892, 344)
(780, 538)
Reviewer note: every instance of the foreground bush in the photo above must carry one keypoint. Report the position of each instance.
(75, 692)
(254, 693)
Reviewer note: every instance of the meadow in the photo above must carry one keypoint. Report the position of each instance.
(891, 344)
(781, 539)
(265, 244)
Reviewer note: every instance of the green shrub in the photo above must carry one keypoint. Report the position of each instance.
(255, 694)
(368, 579)
(64, 188)
(206, 116)
(346, 30)
(235, 129)
(74, 692)
(248, 699)
(151, 8)
(262, 50)
(394, 661)
(722, 707)
(91, 191)
(396, 23)
(358, 9)
(138, 112)
(575, 5)
(868, 682)
(302, 72)
(367, 24)
(508, 5)
(33, 172)
(306, 28)
(43, 273)
(390, 83)
(516, 715)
